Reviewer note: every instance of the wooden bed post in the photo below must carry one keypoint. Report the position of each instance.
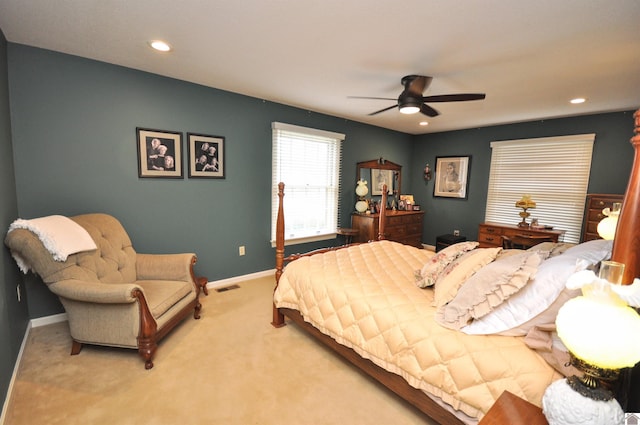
(383, 213)
(626, 245)
(278, 318)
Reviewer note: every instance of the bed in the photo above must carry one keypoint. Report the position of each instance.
(416, 321)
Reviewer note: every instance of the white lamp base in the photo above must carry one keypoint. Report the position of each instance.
(561, 405)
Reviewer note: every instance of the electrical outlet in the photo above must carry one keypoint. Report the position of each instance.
(241, 250)
(19, 293)
(456, 232)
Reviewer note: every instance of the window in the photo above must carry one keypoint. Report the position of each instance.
(308, 162)
(553, 170)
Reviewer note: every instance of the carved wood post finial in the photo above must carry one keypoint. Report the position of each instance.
(278, 318)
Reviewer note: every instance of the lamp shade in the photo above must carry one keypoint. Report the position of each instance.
(599, 331)
(607, 226)
(525, 202)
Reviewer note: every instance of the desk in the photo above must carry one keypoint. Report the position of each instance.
(490, 233)
(512, 410)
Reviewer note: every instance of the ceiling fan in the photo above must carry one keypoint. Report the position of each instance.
(412, 101)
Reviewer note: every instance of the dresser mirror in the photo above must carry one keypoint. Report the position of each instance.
(378, 172)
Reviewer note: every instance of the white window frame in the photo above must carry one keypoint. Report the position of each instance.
(308, 161)
(554, 171)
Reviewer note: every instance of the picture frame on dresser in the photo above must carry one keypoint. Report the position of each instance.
(452, 177)
(159, 153)
(206, 156)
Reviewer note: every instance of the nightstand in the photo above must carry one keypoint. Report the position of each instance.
(444, 241)
(510, 409)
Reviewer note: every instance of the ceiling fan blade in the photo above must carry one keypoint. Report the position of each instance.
(416, 84)
(428, 110)
(454, 97)
(378, 98)
(382, 110)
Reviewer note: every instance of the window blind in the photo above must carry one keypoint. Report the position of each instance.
(553, 170)
(308, 161)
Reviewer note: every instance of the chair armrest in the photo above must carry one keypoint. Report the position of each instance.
(101, 293)
(165, 266)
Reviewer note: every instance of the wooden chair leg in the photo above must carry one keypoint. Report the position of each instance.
(147, 349)
(202, 283)
(75, 347)
(196, 310)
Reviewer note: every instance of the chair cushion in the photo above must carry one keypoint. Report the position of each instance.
(161, 295)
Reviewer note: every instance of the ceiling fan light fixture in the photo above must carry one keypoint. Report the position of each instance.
(409, 109)
(409, 104)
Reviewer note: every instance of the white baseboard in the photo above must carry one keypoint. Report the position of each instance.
(16, 366)
(48, 320)
(429, 247)
(233, 280)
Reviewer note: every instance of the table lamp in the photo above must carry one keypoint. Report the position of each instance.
(607, 226)
(525, 203)
(361, 190)
(595, 328)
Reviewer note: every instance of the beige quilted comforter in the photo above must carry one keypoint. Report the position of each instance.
(365, 298)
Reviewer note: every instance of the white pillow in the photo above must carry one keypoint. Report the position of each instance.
(593, 251)
(542, 291)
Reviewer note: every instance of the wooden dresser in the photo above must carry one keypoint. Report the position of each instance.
(490, 233)
(596, 202)
(401, 226)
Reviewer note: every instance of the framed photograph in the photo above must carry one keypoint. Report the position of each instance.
(159, 153)
(452, 176)
(206, 156)
(380, 177)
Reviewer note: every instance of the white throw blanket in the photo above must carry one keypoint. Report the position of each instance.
(60, 235)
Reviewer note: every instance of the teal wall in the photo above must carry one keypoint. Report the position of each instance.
(611, 164)
(74, 139)
(13, 314)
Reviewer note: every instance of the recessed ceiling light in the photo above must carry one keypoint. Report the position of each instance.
(578, 100)
(424, 123)
(160, 45)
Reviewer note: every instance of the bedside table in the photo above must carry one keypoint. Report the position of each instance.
(444, 241)
(510, 409)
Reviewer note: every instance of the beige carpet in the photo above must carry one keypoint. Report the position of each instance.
(229, 367)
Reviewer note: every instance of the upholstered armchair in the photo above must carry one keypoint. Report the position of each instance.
(112, 295)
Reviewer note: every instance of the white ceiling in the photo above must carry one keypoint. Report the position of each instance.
(529, 57)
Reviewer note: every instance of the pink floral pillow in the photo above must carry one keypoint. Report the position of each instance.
(430, 272)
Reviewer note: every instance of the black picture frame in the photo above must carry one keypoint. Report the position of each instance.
(206, 156)
(452, 177)
(159, 153)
